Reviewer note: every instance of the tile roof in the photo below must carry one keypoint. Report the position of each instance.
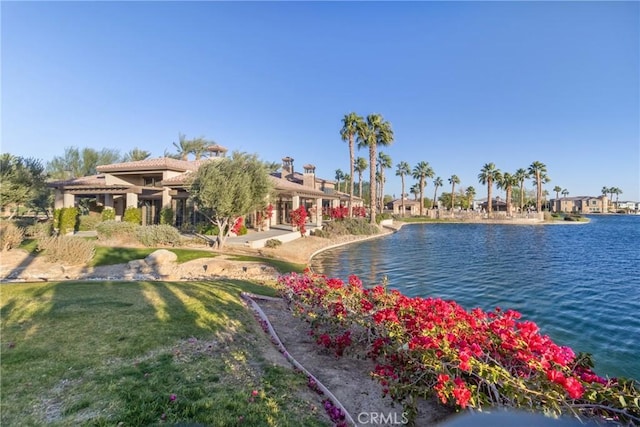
(159, 163)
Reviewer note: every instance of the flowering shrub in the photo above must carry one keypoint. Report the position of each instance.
(467, 358)
(342, 212)
(299, 219)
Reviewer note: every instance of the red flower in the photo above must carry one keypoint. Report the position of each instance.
(574, 388)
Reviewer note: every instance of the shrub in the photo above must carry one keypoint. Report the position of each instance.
(548, 216)
(89, 222)
(108, 214)
(10, 235)
(382, 216)
(157, 235)
(207, 228)
(39, 230)
(272, 243)
(166, 216)
(133, 215)
(318, 232)
(66, 249)
(68, 220)
(115, 229)
(355, 226)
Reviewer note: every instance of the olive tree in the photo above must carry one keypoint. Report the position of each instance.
(228, 188)
(22, 183)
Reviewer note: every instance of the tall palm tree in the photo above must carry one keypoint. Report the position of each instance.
(538, 171)
(421, 171)
(488, 175)
(339, 177)
(384, 162)
(470, 192)
(521, 175)
(453, 180)
(359, 167)
(617, 192)
(402, 169)
(135, 155)
(437, 183)
(350, 123)
(557, 189)
(198, 147)
(372, 133)
(415, 190)
(506, 182)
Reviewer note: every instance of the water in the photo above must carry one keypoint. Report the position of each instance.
(579, 282)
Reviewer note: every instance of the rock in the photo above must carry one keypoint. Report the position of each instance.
(161, 257)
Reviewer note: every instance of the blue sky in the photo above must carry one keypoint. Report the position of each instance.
(462, 83)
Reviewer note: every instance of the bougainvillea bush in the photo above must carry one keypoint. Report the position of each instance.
(467, 358)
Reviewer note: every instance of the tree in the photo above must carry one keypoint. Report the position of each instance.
(230, 188)
(350, 124)
(415, 190)
(135, 155)
(384, 162)
(339, 177)
(422, 171)
(557, 189)
(75, 163)
(437, 183)
(359, 167)
(22, 182)
(470, 192)
(539, 172)
(372, 133)
(506, 182)
(521, 175)
(453, 180)
(488, 175)
(402, 169)
(183, 146)
(617, 192)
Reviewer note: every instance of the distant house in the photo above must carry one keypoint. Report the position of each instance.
(581, 204)
(154, 184)
(411, 207)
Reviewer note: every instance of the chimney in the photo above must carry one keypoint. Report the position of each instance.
(309, 176)
(287, 166)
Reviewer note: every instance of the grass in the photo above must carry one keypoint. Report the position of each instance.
(281, 266)
(109, 255)
(141, 353)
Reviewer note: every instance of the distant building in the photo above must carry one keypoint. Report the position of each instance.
(581, 204)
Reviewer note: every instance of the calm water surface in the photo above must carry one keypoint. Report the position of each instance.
(579, 282)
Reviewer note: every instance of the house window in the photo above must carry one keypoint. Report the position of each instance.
(149, 182)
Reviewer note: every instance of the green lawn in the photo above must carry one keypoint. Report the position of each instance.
(141, 353)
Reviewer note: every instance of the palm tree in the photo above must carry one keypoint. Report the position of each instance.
(384, 162)
(453, 180)
(184, 147)
(359, 167)
(339, 177)
(488, 175)
(521, 175)
(617, 192)
(506, 182)
(421, 171)
(402, 169)
(557, 189)
(350, 123)
(135, 155)
(436, 183)
(539, 171)
(415, 190)
(375, 131)
(470, 192)
(198, 147)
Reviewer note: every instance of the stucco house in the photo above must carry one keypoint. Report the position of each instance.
(581, 204)
(154, 184)
(411, 207)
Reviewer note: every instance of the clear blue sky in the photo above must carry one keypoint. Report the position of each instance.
(462, 83)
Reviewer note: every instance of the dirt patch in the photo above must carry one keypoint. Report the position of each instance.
(347, 378)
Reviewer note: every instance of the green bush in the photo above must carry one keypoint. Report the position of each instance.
(116, 229)
(89, 222)
(207, 229)
(158, 235)
(10, 235)
(272, 243)
(108, 214)
(355, 226)
(133, 215)
(68, 220)
(66, 249)
(39, 230)
(382, 216)
(318, 232)
(166, 216)
(243, 230)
